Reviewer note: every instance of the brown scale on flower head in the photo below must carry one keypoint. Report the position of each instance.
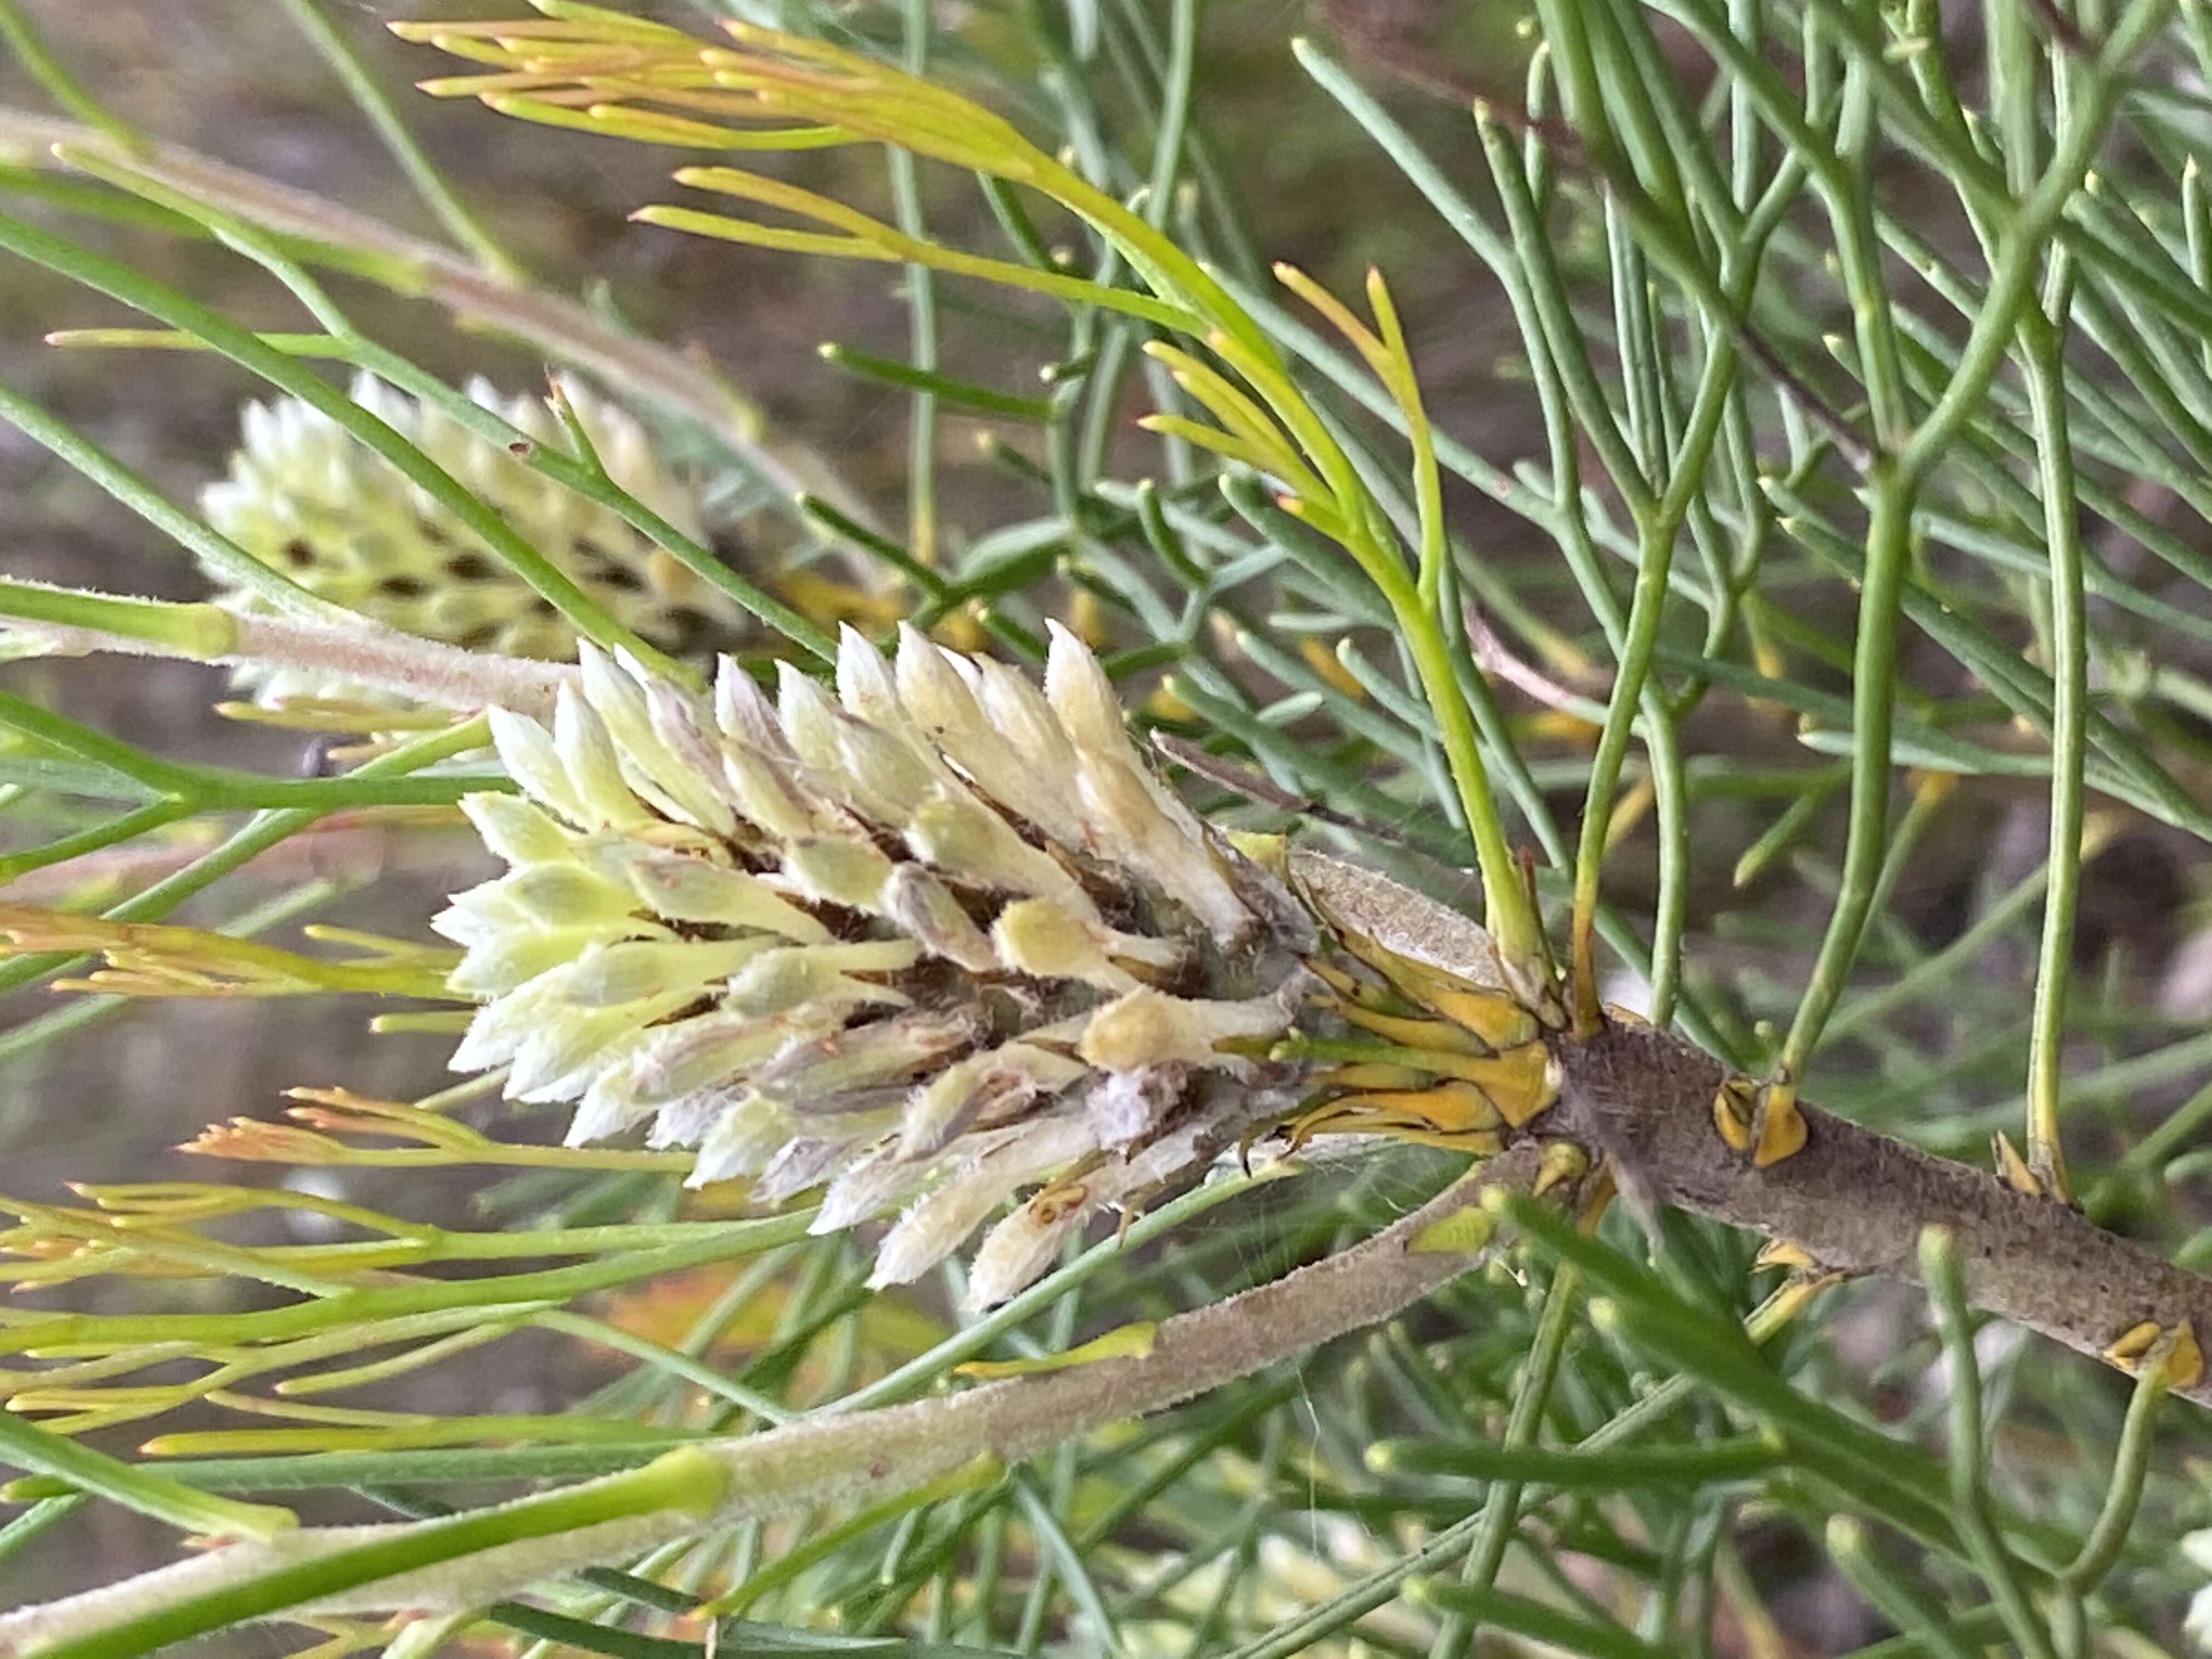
(933, 939)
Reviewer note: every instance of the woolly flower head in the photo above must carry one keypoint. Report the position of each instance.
(935, 940)
(308, 500)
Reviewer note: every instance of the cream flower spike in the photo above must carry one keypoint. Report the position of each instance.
(305, 498)
(934, 940)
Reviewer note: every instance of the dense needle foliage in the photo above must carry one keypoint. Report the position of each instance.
(1805, 627)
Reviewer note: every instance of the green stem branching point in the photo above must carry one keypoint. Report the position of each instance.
(203, 631)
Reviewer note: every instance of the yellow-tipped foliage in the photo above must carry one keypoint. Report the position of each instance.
(768, 89)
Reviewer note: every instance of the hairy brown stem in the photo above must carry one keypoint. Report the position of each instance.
(1857, 1201)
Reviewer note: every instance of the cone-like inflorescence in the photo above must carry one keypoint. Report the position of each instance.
(307, 498)
(936, 940)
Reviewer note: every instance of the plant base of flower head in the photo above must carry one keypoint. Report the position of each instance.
(1436, 1037)
(933, 941)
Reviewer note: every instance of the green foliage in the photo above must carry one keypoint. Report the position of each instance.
(1847, 522)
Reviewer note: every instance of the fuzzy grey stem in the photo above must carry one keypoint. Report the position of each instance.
(366, 653)
(869, 1455)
